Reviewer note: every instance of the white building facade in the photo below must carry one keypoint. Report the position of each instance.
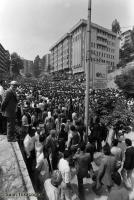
(70, 51)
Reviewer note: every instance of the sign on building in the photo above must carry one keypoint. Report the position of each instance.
(99, 76)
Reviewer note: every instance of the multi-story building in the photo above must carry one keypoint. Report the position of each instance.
(60, 54)
(28, 67)
(47, 63)
(72, 48)
(4, 62)
(125, 38)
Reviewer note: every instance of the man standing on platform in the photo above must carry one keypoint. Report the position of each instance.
(9, 106)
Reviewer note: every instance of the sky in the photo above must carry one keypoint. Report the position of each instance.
(31, 27)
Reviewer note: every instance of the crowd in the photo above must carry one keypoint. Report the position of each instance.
(49, 127)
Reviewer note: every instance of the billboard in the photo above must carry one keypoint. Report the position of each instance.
(99, 76)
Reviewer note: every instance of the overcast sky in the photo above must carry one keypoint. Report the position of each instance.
(31, 27)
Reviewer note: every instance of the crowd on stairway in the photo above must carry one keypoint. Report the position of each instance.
(50, 130)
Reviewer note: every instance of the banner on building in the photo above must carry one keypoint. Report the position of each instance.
(99, 76)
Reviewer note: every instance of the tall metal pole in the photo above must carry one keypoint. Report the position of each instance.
(88, 68)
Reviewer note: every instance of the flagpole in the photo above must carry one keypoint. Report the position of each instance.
(88, 69)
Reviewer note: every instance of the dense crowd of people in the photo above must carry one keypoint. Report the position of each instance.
(50, 130)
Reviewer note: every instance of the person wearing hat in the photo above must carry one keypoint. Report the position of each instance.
(52, 184)
(9, 106)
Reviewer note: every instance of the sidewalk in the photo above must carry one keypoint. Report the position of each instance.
(14, 184)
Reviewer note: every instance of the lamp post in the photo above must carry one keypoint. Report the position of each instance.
(88, 68)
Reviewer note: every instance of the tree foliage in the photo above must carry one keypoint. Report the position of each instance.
(126, 54)
(111, 109)
(125, 82)
(16, 63)
(116, 26)
(132, 36)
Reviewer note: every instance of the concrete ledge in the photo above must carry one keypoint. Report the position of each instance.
(25, 176)
(14, 178)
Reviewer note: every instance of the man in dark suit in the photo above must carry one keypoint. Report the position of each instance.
(82, 165)
(128, 164)
(9, 106)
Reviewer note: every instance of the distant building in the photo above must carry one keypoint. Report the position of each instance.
(125, 38)
(69, 53)
(45, 63)
(4, 65)
(60, 54)
(28, 67)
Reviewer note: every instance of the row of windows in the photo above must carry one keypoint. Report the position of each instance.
(106, 34)
(105, 48)
(101, 39)
(105, 41)
(102, 47)
(97, 53)
(102, 61)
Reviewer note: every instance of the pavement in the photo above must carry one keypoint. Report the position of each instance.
(12, 177)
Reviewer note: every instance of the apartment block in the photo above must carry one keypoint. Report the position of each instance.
(28, 67)
(70, 51)
(60, 54)
(125, 38)
(46, 62)
(4, 65)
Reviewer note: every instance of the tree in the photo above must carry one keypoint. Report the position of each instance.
(36, 66)
(110, 109)
(132, 36)
(116, 26)
(125, 82)
(16, 63)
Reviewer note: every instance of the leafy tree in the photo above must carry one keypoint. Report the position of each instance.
(16, 63)
(111, 109)
(116, 26)
(132, 36)
(125, 54)
(125, 82)
(36, 66)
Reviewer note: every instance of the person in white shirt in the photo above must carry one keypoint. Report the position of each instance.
(39, 143)
(29, 142)
(51, 186)
(1, 91)
(65, 170)
(42, 166)
(24, 124)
